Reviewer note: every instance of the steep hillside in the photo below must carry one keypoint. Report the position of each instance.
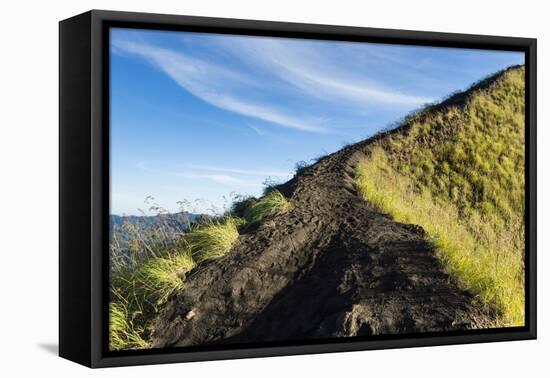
(414, 230)
(458, 170)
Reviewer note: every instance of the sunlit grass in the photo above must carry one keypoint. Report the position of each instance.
(122, 334)
(270, 205)
(137, 294)
(139, 287)
(487, 259)
(213, 239)
(157, 278)
(459, 172)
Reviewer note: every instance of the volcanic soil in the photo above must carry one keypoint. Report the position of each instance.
(334, 266)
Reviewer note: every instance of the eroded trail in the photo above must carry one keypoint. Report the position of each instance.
(333, 266)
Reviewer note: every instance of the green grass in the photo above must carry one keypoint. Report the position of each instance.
(122, 334)
(137, 294)
(241, 204)
(157, 278)
(213, 239)
(270, 205)
(458, 171)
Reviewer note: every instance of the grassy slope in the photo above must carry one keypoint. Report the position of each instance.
(458, 171)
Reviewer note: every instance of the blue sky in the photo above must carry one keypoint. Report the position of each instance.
(200, 117)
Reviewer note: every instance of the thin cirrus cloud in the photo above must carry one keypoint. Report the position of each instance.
(216, 85)
(247, 172)
(317, 73)
(220, 175)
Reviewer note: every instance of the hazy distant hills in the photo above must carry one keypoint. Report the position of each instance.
(148, 220)
(125, 226)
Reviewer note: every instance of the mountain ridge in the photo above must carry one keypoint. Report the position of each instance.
(333, 266)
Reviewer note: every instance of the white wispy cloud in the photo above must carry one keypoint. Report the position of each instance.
(216, 85)
(247, 172)
(353, 90)
(313, 72)
(219, 175)
(223, 179)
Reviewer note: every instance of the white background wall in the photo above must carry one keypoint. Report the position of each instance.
(29, 189)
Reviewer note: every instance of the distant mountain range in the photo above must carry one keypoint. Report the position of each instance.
(147, 225)
(149, 220)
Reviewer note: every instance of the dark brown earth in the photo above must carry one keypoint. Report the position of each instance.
(334, 266)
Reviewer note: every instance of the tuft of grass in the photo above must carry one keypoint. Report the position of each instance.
(270, 205)
(122, 334)
(214, 238)
(241, 204)
(158, 277)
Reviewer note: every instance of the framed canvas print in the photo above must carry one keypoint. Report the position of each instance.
(234, 188)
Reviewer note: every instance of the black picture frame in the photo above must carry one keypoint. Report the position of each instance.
(84, 185)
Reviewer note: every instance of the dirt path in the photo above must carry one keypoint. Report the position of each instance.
(333, 266)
